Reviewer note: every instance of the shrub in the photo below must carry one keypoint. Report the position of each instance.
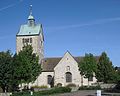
(112, 90)
(71, 85)
(82, 88)
(45, 92)
(55, 90)
(116, 89)
(21, 94)
(59, 85)
(42, 87)
(89, 88)
(118, 85)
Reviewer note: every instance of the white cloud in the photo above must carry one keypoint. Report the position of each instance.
(11, 5)
(100, 21)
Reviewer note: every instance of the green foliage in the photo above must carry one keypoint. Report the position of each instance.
(88, 66)
(55, 90)
(116, 89)
(71, 85)
(5, 69)
(22, 94)
(118, 85)
(89, 88)
(41, 87)
(117, 74)
(26, 65)
(45, 92)
(105, 72)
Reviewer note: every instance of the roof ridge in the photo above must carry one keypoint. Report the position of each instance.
(51, 57)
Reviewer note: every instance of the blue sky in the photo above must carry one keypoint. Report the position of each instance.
(79, 26)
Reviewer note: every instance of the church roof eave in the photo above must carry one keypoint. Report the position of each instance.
(26, 30)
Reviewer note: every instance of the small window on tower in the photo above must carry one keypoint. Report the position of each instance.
(30, 40)
(26, 40)
(41, 43)
(23, 40)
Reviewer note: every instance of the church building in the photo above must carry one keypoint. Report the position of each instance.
(58, 71)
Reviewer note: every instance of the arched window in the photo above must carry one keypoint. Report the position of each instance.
(90, 78)
(49, 79)
(68, 77)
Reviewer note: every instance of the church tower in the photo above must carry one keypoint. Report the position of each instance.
(31, 33)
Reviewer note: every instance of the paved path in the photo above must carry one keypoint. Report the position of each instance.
(86, 93)
(79, 93)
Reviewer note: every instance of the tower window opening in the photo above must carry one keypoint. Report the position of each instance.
(27, 40)
(30, 40)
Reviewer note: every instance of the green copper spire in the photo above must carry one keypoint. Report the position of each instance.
(30, 16)
(31, 28)
(31, 20)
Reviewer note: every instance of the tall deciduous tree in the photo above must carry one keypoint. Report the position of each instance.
(105, 72)
(88, 66)
(116, 75)
(117, 71)
(27, 66)
(5, 70)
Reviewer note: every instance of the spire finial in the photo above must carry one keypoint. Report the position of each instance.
(30, 16)
(30, 9)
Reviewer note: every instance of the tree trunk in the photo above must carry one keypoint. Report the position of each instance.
(21, 87)
(88, 83)
(3, 88)
(81, 80)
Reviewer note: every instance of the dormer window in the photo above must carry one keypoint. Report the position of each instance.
(31, 22)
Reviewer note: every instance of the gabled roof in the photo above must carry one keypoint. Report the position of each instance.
(29, 30)
(49, 64)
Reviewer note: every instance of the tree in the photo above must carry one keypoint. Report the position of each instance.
(105, 70)
(5, 70)
(88, 66)
(116, 74)
(26, 65)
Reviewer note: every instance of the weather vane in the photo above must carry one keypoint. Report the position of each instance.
(30, 9)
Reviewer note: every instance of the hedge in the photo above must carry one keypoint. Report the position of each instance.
(45, 92)
(89, 88)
